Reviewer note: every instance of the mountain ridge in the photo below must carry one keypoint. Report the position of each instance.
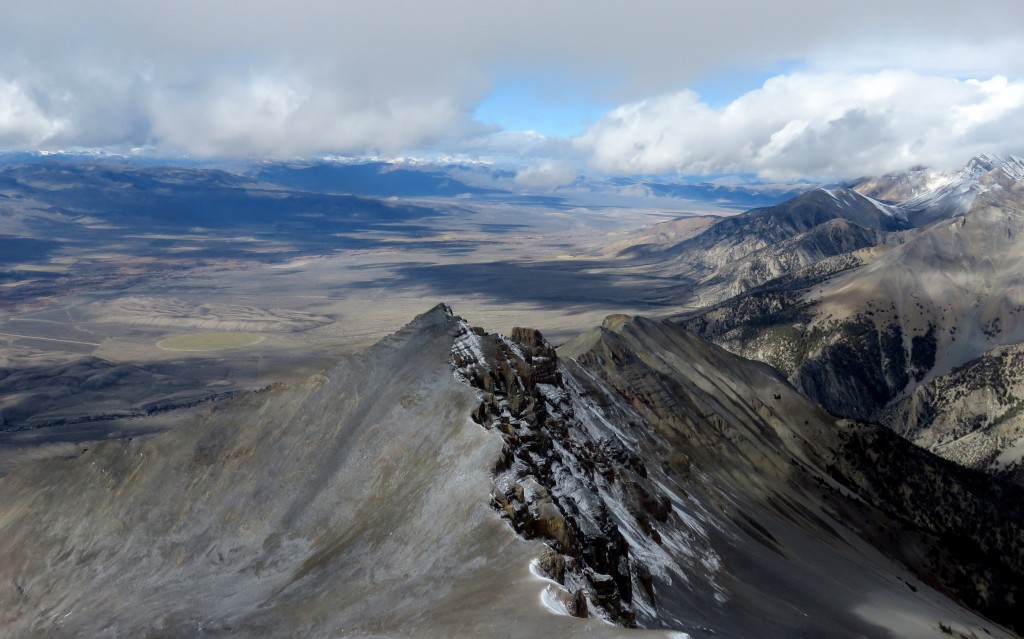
(661, 474)
(858, 332)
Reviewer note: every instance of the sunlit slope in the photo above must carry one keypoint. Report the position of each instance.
(354, 504)
(736, 254)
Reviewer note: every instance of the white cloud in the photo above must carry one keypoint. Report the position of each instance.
(299, 77)
(22, 121)
(284, 116)
(548, 174)
(822, 125)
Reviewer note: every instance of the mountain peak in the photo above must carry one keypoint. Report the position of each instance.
(439, 313)
(1012, 166)
(981, 164)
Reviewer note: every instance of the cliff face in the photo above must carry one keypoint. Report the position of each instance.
(450, 482)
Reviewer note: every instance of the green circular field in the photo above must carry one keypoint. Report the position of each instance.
(194, 342)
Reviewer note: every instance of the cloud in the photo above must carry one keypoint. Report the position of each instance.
(22, 120)
(298, 77)
(285, 115)
(546, 175)
(821, 125)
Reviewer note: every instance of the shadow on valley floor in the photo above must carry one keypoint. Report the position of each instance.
(550, 284)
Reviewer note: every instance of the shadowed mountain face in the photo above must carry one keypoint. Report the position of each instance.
(673, 486)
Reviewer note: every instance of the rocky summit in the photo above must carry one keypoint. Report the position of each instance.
(449, 482)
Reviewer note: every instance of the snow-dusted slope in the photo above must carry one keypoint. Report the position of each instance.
(898, 187)
(954, 196)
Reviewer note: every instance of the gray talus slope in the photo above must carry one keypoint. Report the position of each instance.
(810, 518)
(356, 504)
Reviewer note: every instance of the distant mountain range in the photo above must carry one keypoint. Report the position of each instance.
(387, 179)
(860, 302)
(444, 180)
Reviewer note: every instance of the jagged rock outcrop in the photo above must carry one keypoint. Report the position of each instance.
(700, 457)
(558, 480)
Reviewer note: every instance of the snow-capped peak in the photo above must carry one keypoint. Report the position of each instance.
(846, 199)
(980, 165)
(1011, 167)
(955, 196)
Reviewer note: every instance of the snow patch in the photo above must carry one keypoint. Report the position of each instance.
(550, 600)
(887, 209)
(467, 351)
(553, 596)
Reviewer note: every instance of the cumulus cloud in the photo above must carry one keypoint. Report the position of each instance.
(22, 121)
(548, 174)
(822, 125)
(286, 116)
(300, 77)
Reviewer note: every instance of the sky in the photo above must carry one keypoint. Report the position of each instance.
(784, 90)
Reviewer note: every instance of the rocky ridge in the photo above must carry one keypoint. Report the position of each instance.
(558, 480)
(631, 455)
